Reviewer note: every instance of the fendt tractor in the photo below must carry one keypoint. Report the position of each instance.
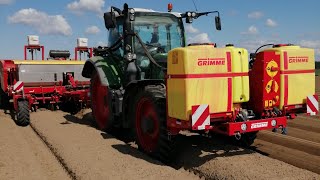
(53, 83)
(150, 82)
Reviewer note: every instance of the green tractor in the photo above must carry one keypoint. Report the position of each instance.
(128, 78)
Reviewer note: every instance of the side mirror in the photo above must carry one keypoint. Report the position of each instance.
(218, 23)
(109, 20)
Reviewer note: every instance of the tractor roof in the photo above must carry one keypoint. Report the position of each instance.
(143, 10)
(151, 10)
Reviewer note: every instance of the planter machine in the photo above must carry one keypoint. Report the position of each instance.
(54, 82)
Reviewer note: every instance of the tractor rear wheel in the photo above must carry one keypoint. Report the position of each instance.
(150, 123)
(101, 103)
(23, 114)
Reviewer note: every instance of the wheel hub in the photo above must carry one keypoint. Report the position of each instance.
(147, 125)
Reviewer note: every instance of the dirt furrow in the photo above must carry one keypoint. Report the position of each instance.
(292, 156)
(24, 156)
(302, 126)
(291, 142)
(304, 134)
(92, 154)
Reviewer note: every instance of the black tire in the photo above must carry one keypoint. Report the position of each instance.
(150, 108)
(23, 114)
(101, 119)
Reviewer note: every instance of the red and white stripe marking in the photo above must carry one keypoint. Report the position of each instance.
(200, 117)
(312, 105)
(18, 86)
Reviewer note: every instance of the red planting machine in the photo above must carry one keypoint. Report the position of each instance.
(53, 83)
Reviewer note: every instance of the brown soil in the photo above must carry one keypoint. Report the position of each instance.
(301, 147)
(24, 156)
(93, 154)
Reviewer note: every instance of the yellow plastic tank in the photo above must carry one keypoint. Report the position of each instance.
(297, 74)
(206, 75)
(240, 84)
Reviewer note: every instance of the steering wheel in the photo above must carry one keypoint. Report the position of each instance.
(153, 48)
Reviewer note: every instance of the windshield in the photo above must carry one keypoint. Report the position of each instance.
(161, 31)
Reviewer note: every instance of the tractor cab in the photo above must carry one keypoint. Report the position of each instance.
(144, 37)
(159, 32)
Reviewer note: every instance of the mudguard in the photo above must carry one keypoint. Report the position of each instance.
(106, 67)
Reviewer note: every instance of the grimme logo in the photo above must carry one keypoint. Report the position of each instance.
(211, 61)
(298, 59)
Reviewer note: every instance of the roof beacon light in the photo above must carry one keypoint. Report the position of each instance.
(169, 7)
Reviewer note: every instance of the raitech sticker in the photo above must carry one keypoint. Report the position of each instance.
(211, 61)
(259, 125)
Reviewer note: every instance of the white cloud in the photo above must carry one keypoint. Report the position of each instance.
(191, 29)
(199, 38)
(314, 44)
(86, 5)
(42, 22)
(5, 2)
(100, 43)
(255, 15)
(92, 30)
(271, 23)
(194, 35)
(251, 30)
(252, 44)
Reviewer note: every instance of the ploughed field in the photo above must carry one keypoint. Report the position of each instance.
(60, 146)
(300, 147)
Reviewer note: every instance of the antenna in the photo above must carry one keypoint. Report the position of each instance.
(194, 5)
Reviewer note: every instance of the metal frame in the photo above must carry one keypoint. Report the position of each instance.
(79, 49)
(43, 93)
(33, 47)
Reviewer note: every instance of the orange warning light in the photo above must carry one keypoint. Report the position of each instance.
(169, 7)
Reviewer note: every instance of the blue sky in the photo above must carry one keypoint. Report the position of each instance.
(247, 24)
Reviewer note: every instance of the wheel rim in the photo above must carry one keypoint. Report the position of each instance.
(100, 105)
(147, 125)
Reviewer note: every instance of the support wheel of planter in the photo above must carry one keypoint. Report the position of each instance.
(23, 114)
(150, 123)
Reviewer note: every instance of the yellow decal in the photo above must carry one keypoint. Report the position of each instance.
(266, 103)
(270, 103)
(271, 66)
(270, 86)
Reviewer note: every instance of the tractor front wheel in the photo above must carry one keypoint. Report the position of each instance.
(150, 123)
(101, 103)
(23, 114)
